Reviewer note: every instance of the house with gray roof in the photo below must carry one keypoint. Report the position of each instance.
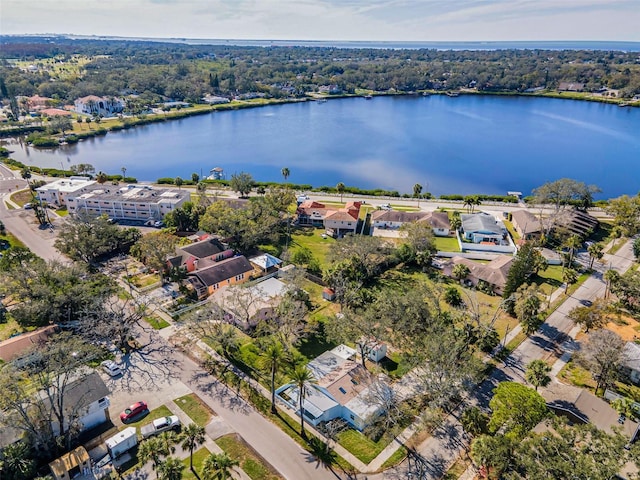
(631, 366)
(394, 219)
(482, 227)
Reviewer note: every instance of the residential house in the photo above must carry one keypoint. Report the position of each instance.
(338, 222)
(482, 228)
(132, 202)
(55, 112)
(86, 402)
(631, 367)
(74, 464)
(266, 263)
(493, 274)
(214, 99)
(571, 87)
(15, 346)
(37, 103)
(231, 271)
(394, 219)
(94, 105)
(342, 390)
(199, 255)
(526, 224)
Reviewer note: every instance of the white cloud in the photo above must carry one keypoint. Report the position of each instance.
(446, 20)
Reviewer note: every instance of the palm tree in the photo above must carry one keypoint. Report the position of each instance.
(170, 469)
(611, 276)
(218, 466)
(572, 243)
(151, 450)
(538, 373)
(271, 359)
(178, 181)
(101, 177)
(569, 277)
(302, 377)
(285, 173)
(417, 190)
(192, 436)
(16, 462)
(596, 252)
(616, 232)
(460, 271)
(340, 189)
(25, 173)
(124, 172)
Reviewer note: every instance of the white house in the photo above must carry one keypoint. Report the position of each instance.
(56, 193)
(131, 202)
(342, 390)
(394, 219)
(94, 105)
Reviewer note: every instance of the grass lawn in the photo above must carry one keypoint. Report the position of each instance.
(144, 279)
(405, 208)
(511, 230)
(156, 323)
(62, 212)
(398, 456)
(457, 469)
(549, 280)
(447, 244)
(363, 448)
(22, 197)
(198, 459)
(249, 460)
(9, 328)
(161, 411)
(311, 238)
(12, 239)
(195, 409)
(629, 391)
(574, 374)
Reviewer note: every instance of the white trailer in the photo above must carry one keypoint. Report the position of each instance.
(122, 442)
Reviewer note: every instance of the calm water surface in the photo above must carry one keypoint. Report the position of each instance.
(468, 144)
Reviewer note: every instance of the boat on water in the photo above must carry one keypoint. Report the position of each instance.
(368, 97)
(623, 104)
(453, 94)
(321, 100)
(426, 94)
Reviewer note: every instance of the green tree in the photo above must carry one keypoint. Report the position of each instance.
(170, 469)
(15, 462)
(154, 248)
(636, 248)
(592, 316)
(178, 182)
(340, 187)
(418, 237)
(152, 449)
(195, 178)
(527, 307)
(474, 421)
(537, 373)
(101, 178)
(191, 437)
(242, 183)
(285, 173)
(303, 379)
(569, 277)
(460, 271)
(611, 276)
(626, 214)
(492, 454)
(417, 190)
(452, 296)
(60, 123)
(471, 202)
(572, 243)
(516, 409)
(271, 360)
(527, 262)
(218, 466)
(596, 252)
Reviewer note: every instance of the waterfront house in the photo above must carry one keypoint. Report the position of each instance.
(571, 87)
(342, 390)
(394, 219)
(94, 105)
(482, 228)
(338, 222)
(526, 224)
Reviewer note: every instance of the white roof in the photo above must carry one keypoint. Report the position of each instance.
(345, 352)
(67, 185)
(266, 261)
(271, 287)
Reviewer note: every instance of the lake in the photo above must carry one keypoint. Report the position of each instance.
(467, 144)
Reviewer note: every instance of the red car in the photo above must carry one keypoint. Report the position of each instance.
(133, 411)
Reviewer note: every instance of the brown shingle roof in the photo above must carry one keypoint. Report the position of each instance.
(526, 222)
(224, 270)
(13, 347)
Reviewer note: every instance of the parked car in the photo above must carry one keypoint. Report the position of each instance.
(135, 410)
(385, 206)
(160, 425)
(27, 206)
(112, 368)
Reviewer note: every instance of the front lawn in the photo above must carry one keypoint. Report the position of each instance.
(22, 197)
(198, 459)
(574, 374)
(312, 239)
(156, 323)
(362, 447)
(12, 239)
(250, 461)
(142, 280)
(195, 409)
(549, 280)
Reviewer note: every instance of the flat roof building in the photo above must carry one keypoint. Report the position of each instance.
(56, 193)
(130, 202)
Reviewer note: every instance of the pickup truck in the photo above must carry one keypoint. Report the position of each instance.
(160, 425)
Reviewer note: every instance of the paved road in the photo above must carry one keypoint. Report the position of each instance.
(159, 373)
(22, 223)
(438, 452)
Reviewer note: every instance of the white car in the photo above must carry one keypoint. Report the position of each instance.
(112, 368)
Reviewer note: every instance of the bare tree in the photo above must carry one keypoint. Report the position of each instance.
(602, 355)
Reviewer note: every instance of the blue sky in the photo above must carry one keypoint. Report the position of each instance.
(387, 20)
